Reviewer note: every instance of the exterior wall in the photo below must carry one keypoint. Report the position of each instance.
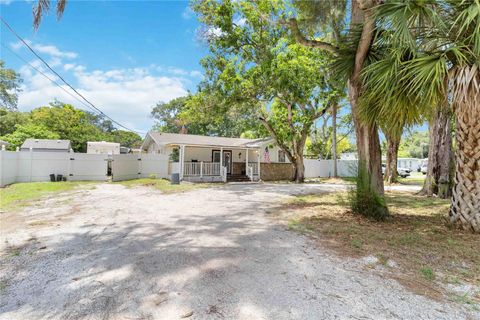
(276, 171)
(103, 148)
(272, 152)
(44, 150)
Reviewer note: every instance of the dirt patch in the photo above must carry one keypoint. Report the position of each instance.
(415, 246)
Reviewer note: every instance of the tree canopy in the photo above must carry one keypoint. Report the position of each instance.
(61, 121)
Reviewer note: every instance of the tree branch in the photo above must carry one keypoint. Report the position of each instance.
(275, 137)
(309, 42)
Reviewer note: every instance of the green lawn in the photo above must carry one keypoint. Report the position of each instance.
(164, 185)
(19, 194)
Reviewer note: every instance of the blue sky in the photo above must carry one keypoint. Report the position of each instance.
(124, 56)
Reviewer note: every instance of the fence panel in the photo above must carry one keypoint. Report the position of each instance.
(125, 167)
(88, 167)
(8, 167)
(154, 164)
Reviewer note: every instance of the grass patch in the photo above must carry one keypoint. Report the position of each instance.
(20, 194)
(414, 237)
(428, 273)
(164, 185)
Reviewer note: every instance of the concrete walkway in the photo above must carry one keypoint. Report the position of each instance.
(119, 253)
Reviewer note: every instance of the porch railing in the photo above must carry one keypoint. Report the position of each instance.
(201, 169)
(254, 166)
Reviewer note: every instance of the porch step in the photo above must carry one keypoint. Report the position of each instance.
(238, 178)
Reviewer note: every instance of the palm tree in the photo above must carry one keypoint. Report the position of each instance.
(42, 7)
(425, 66)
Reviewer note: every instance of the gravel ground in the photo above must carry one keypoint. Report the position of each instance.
(119, 253)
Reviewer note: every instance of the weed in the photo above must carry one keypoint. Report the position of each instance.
(427, 273)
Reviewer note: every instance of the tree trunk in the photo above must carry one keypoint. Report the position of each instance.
(465, 207)
(391, 172)
(439, 179)
(368, 143)
(334, 139)
(299, 175)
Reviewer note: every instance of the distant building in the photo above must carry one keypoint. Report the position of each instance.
(46, 145)
(102, 147)
(348, 156)
(3, 144)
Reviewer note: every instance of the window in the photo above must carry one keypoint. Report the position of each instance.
(281, 156)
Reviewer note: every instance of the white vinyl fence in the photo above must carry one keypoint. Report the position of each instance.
(324, 168)
(29, 166)
(133, 166)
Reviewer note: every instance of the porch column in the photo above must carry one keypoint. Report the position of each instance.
(221, 162)
(258, 152)
(181, 160)
(246, 163)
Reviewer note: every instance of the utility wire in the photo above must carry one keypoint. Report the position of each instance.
(47, 77)
(61, 78)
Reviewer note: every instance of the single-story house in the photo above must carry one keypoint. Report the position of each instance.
(103, 147)
(46, 145)
(206, 158)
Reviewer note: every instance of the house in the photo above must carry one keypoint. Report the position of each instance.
(102, 147)
(46, 145)
(206, 158)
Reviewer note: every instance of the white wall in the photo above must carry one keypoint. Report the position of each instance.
(324, 168)
(26, 166)
(133, 166)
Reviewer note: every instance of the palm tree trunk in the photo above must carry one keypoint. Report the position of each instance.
(368, 143)
(391, 172)
(439, 179)
(465, 207)
(334, 139)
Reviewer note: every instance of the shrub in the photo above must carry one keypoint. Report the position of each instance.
(364, 200)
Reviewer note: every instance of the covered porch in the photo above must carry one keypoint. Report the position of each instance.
(218, 164)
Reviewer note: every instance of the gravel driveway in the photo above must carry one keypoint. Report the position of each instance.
(119, 253)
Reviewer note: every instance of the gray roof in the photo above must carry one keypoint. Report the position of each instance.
(46, 144)
(194, 140)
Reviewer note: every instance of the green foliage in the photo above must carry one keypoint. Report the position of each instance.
(364, 200)
(185, 112)
(25, 131)
(256, 68)
(9, 119)
(414, 145)
(61, 121)
(9, 87)
(127, 138)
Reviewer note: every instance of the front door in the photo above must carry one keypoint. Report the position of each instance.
(227, 159)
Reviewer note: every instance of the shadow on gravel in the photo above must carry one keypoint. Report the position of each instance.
(140, 269)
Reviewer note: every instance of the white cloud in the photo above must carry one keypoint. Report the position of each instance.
(5, 1)
(187, 13)
(126, 95)
(50, 50)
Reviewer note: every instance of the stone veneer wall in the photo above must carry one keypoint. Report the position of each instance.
(276, 171)
(238, 167)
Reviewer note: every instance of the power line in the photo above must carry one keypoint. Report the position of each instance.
(62, 79)
(46, 76)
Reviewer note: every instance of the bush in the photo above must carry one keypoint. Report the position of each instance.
(364, 200)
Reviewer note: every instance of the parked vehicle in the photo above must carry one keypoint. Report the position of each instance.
(402, 172)
(424, 166)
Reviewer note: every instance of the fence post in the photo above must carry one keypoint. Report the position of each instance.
(201, 169)
(31, 163)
